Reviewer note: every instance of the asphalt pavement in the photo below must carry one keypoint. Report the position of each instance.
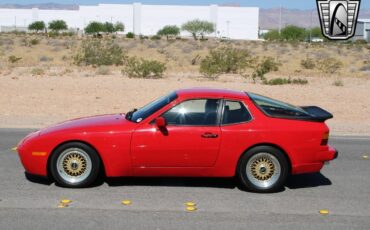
(342, 188)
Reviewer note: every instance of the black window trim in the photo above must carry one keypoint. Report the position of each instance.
(143, 120)
(307, 118)
(219, 110)
(236, 123)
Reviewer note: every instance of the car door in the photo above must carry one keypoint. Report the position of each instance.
(191, 138)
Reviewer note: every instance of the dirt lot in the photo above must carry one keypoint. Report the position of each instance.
(65, 91)
(37, 102)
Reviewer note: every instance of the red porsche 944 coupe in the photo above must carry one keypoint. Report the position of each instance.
(187, 133)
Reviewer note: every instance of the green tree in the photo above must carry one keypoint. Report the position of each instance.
(95, 28)
(315, 33)
(169, 30)
(58, 25)
(119, 26)
(198, 28)
(293, 33)
(37, 26)
(272, 35)
(109, 27)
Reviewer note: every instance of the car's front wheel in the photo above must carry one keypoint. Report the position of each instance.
(263, 169)
(75, 165)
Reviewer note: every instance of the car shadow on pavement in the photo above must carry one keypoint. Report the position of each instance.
(293, 182)
(38, 179)
(230, 183)
(307, 181)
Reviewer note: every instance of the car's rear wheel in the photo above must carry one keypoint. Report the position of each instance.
(75, 165)
(263, 169)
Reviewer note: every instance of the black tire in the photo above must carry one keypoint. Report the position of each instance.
(251, 180)
(90, 175)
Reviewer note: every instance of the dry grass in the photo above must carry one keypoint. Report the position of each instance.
(179, 54)
(46, 76)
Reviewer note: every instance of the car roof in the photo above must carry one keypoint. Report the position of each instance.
(210, 92)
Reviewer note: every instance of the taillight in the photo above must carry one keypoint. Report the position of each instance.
(325, 138)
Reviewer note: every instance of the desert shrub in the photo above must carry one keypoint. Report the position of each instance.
(130, 35)
(366, 66)
(308, 63)
(265, 66)
(299, 81)
(34, 41)
(314, 32)
(293, 33)
(329, 65)
(225, 60)
(103, 70)
(45, 59)
(272, 35)
(6, 41)
(285, 81)
(198, 28)
(155, 37)
(97, 52)
(338, 83)
(17, 32)
(143, 37)
(361, 42)
(37, 71)
(13, 59)
(141, 68)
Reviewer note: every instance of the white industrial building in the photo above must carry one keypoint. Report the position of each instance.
(362, 30)
(231, 22)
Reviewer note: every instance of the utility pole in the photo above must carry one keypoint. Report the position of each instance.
(280, 19)
(228, 29)
(15, 22)
(311, 26)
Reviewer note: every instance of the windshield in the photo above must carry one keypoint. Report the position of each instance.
(277, 108)
(144, 112)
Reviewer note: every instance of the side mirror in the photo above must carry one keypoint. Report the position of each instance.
(161, 122)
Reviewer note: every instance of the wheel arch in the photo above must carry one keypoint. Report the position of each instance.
(268, 145)
(71, 141)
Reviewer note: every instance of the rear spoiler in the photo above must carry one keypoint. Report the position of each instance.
(317, 113)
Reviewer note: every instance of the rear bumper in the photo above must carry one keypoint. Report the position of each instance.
(336, 154)
(319, 158)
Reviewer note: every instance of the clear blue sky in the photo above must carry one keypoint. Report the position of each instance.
(293, 4)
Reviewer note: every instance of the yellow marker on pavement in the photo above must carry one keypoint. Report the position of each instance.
(191, 208)
(365, 157)
(65, 201)
(61, 205)
(126, 202)
(190, 203)
(14, 148)
(324, 212)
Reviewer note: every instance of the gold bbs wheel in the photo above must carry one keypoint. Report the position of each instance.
(263, 170)
(74, 165)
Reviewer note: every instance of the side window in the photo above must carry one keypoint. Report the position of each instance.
(193, 112)
(235, 112)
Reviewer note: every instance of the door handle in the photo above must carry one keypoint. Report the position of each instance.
(209, 135)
